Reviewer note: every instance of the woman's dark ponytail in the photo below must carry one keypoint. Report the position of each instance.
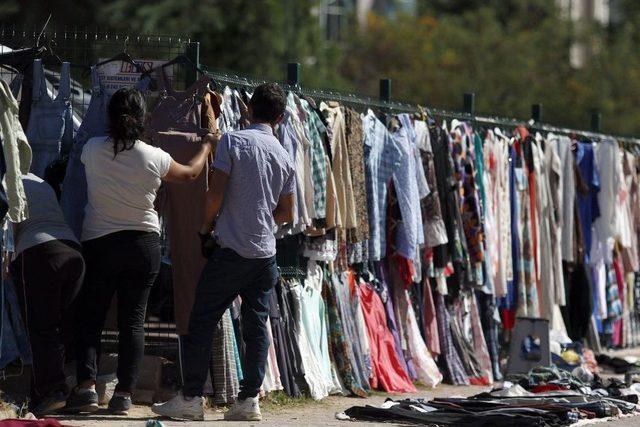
(126, 110)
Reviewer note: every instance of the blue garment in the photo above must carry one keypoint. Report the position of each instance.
(511, 299)
(382, 158)
(588, 208)
(16, 84)
(95, 123)
(4, 202)
(50, 129)
(411, 186)
(259, 172)
(289, 140)
(14, 341)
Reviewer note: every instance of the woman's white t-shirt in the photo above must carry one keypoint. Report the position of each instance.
(121, 190)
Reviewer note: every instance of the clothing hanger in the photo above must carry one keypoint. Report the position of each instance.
(180, 60)
(123, 57)
(48, 52)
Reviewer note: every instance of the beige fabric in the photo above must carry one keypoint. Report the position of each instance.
(17, 154)
(341, 168)
(554, 177)
(333, 210)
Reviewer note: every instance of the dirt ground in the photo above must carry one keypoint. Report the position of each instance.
(306, 413)
(285, 412)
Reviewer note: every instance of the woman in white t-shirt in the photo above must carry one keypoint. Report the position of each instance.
(120, 238)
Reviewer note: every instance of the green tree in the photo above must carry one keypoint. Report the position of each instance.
(246, 36)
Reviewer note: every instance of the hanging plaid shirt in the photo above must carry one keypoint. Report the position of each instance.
(382, 157)
(315, 130)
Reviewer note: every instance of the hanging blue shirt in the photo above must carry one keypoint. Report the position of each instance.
(382, 158)
(588, 208)
(411, 186)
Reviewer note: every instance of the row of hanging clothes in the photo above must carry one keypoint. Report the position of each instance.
(422, 240)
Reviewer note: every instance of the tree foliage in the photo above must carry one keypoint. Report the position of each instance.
(511, 53)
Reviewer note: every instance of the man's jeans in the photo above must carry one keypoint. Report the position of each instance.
(225, 276)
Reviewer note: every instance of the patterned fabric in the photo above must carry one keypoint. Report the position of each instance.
(382, 157)
(429, 320)
(434, 230)
(450, 361)
(614, 305)
(470, 206)
(358, 253)
(355, 151)
(529, 305)
(411, 188)
(443, 167)
(479, 342)
(341, 346)
(347, 306)
(415, 350)
(464, 345)
(315, 132)
(224, 372)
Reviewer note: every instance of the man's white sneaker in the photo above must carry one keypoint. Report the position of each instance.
(181, 408)
(244, 410)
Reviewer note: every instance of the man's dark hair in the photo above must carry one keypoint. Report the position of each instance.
(268, 102)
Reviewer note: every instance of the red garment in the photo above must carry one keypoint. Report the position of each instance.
(508, 317)
(543, 388)
(387, 372)
(479, 381)
(47, 422)
(406, 270)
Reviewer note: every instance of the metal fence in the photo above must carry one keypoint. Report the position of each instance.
(84, 49)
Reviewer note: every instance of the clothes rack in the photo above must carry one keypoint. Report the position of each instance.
(364, 102)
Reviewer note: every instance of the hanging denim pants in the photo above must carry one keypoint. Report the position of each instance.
(50, 129)
(74, 187)
(225, 276)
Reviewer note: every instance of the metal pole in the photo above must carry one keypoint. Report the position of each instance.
(536, 113)
(192, 52)
(596, 121)
(469, 103)
(293, 74)
(385, 90)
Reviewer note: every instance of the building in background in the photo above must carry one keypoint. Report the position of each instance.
(584, 13)
(339, 17)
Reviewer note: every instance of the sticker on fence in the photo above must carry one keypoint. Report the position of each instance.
(119, 74)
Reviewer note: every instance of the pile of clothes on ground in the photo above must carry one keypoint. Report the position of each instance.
(543, 397)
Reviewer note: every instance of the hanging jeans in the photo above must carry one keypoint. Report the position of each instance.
(48, 277)
(50, 129)
(124, 263)
(225, 276)
(14, 343)
(94, 123)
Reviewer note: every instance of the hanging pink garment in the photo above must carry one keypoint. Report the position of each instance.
(388, 373)
(618, 333)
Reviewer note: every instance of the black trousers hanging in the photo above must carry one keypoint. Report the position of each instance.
(579, 290)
